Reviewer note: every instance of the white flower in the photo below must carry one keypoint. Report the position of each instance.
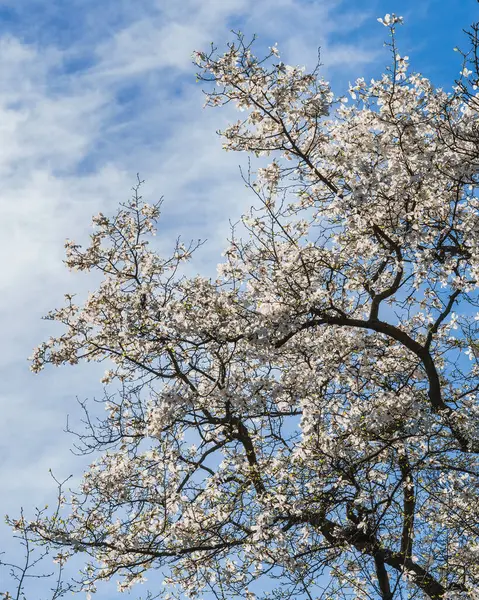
(274, 50)
(390, 20)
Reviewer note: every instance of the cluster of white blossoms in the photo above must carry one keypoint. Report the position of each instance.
(311, 415)
(390, 20)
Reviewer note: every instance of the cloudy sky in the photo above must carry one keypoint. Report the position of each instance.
(92, 92)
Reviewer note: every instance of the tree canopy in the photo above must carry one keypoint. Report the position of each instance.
(307, 424)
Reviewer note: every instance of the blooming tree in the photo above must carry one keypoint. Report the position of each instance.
(307, 424)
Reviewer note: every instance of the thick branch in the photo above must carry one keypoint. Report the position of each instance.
(393, 288)
(409, 506)
(243, 436)
(383, 578)
(366, 543)
(422, 352)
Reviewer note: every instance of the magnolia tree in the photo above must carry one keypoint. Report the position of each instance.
(307, 424)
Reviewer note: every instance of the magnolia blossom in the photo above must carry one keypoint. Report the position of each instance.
(390, 20)
(312, 415)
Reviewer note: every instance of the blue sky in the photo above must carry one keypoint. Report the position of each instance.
(93, 92)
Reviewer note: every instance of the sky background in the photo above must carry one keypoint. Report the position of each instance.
(92, 92)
